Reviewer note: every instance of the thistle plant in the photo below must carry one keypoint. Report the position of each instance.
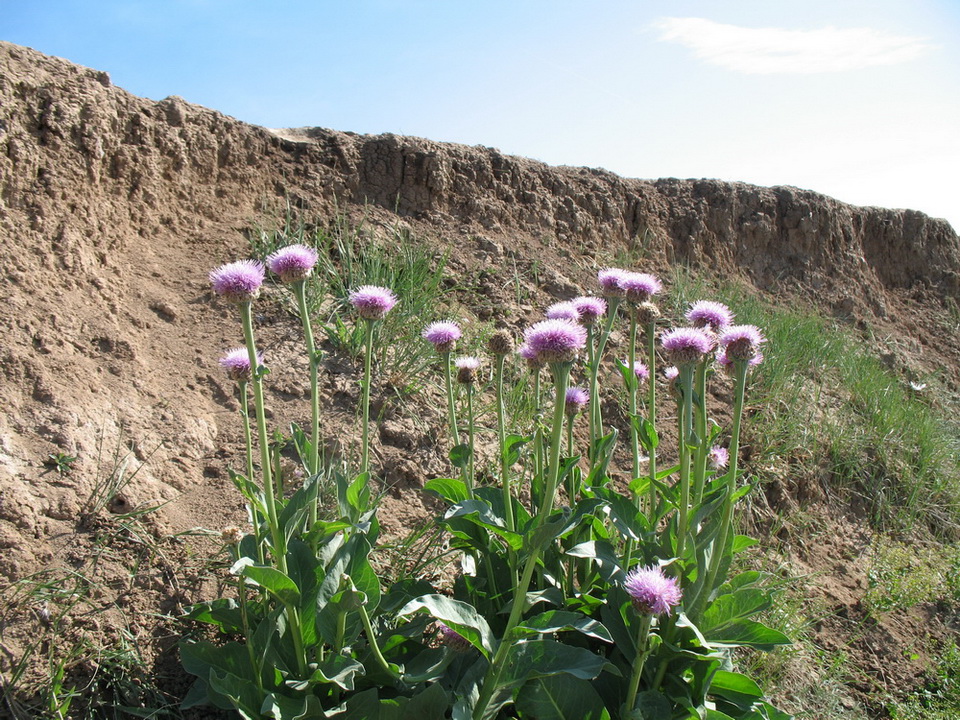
(372, 304)
(613, 603)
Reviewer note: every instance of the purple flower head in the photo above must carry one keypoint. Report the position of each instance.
(671, 373)
(686, 345)
(652, 592)
(641, 371)
(236, 363)
(292, 263)
(531, 356)
(709, 315)
(591, 309)
(609, 280)
(238, 281)
(724, 360)
(638, 287)
(442, 335)
(718, 457)
(563, 311)
(742, 342)
(372, 302)
(576, 400)
(452, 639)
(556, 341)
(467, 369)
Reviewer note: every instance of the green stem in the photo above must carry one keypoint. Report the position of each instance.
(451, 400)
(471, 468)
(594, 395)
(269, 494)
(242, 594)
(686, 432)
(700, 466)
(739, 388)
(632, 392)
(299, 289)
(367, 372)
(375, 649)
(652, 413)
(504, 464)
(255, 517)
(643, 651)
(561, 375)
(595, 369)
(293, 621)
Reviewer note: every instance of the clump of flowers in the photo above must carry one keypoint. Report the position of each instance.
(563, 311)
(709, 315)
(590, 309)
(555, 341)
(576, 400)
(292, 263)
(741, 342)
(467, 369)
(238, 281)
(236, 363)
(685, 346)
(442, 335)
(639, 287)
(652, 592)
(372, 302)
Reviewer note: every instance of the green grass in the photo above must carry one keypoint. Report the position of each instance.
(825, 401)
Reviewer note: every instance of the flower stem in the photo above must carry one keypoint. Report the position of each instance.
(471, 468)
(269, 495)
(313, 464)
(686, 434)
(739, 389)
(595, 368)
(652, 413)
(374, 648)
(643, 650)
(504, 465)
(632, 391)
(367, 371)
(255, 518)
(451, 401)
(561, 375)
(700, 462)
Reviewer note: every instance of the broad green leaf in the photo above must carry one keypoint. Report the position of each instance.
(338, 669)
(512, 446)
(646, 433)
(529, 659)
(285, 708)
(244, 696)
(431, 704)
(560, 698)
(458, 615)
(460, 455)
(274, 581)
(224, 613)
(603, 554)
(554, 621)
(480, 512)
(450, 489)
(202, 658)
(735, 688)
(742, 542)
(654, 705)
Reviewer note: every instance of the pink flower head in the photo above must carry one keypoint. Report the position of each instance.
(719, 457)
(709, 315)
(724, 360)
(671, 373)
(442, 335)
(452, 639)
(466, 369)
(638, 287)
(372, 302)
(555, 341)
(563, 311)
(686, 345)
(576, 400)
(238, 281)
(609, 280)
(236, 363)
(742, 342)
(292, 263)
(531, 356)
(641, 371)
(652, 592)
(591, 309)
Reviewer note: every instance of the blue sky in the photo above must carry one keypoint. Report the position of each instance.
(855, 99)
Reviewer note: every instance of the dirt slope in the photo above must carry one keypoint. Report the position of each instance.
(113, 208)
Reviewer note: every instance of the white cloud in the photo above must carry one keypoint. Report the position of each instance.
(767, 51)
